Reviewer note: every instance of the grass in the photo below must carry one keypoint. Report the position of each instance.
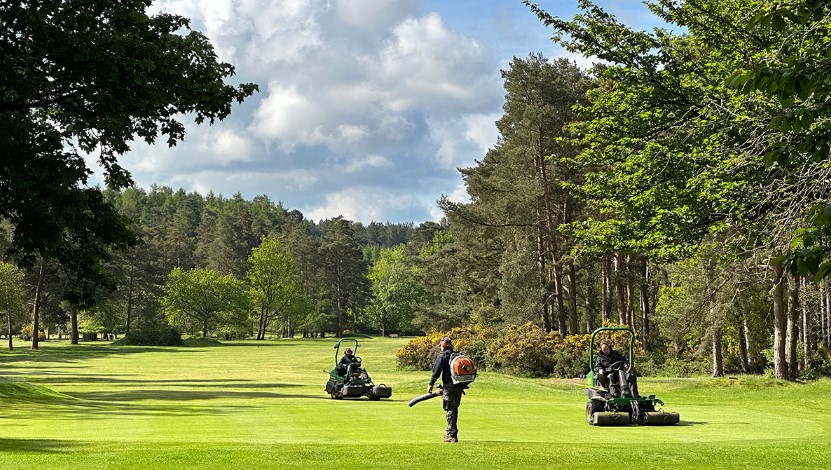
(261, 405)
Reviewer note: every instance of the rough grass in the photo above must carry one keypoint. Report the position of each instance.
(262, 405)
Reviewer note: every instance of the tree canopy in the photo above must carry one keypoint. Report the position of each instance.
(90, 77)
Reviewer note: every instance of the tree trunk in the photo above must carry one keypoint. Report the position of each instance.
(73, 324)
(645, 306)
(591, 301)
(620, 289)
(205, 328)
(36, 308)
(630, 292)
(606, 288)
(741, 324)
(823, 314)
(544, 282)
(9, 331)
(573, 321)
(780, 365)
(261, 326)
(718, 362)
(129, 318)
(792, 332)
(562, 316)
(808, 339)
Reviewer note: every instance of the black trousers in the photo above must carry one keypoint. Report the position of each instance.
(615, 385)
(451, 400)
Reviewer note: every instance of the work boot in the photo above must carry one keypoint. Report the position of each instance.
(448, 438)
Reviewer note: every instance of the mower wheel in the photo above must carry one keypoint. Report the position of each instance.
(374, 397)
(334, 393)
(592, 407)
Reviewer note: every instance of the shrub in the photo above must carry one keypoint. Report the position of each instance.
(571, 356)
(152, 336)
(524, 350)
(420, 353)
(26, 333)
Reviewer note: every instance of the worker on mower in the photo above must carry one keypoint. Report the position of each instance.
(348, 358)
(606, 368)
(451, 393)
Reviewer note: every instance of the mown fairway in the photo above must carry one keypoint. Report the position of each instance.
(262, 405)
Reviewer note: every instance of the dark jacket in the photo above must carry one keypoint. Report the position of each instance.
(442, 368)
(346, 360)
(603, 362)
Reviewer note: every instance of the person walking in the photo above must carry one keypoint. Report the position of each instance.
(451, 393)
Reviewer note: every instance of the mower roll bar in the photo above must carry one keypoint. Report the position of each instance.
(612, 328)
(337, 348)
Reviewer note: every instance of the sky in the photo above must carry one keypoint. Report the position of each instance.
(366, 108)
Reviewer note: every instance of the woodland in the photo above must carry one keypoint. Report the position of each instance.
(680, 186)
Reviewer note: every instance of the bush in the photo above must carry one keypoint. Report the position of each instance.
(571, 357)
(420, 353)
(152, 336)
(525, 350)
(528, 351)
(26, 333)
(819, 365)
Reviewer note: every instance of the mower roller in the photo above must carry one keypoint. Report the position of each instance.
(353, 381)
(605, 409)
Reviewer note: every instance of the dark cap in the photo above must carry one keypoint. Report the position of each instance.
(446, 341)
(348, 351)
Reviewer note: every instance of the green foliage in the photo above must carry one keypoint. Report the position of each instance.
(207, 297)
(525, 350)
(90, 77)
(276, 289)
(161, 335)
(12, 298)
(420, 353)
(396, 294)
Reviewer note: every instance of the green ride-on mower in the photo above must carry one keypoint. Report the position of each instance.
(352, 381)
(616, 406)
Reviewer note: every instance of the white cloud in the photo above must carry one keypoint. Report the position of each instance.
(225, 146)
(365, 109)
(464, 139)
(365, 204)
(374, 15)
(371, 161)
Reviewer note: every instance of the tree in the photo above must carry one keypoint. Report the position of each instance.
(276, 290)
(396, 295)
(91, 76)
(12, 302)
(343, 269)
(719, 130)
(206, 297)
(518, 198)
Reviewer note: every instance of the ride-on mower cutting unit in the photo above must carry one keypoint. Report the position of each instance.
(606, 409)
(352, 380)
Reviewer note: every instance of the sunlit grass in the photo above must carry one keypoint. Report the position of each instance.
(262, 405)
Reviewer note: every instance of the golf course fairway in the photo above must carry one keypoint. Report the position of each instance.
(251, 404)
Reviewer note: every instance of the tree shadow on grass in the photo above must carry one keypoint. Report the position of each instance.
(39, 446)
(83, 352)
(175, 395)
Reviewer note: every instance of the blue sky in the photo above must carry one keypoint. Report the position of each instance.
(366, 107)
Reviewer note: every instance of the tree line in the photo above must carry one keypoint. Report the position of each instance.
(679, 186)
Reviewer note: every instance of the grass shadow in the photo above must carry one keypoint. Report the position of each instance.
(39, 446)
